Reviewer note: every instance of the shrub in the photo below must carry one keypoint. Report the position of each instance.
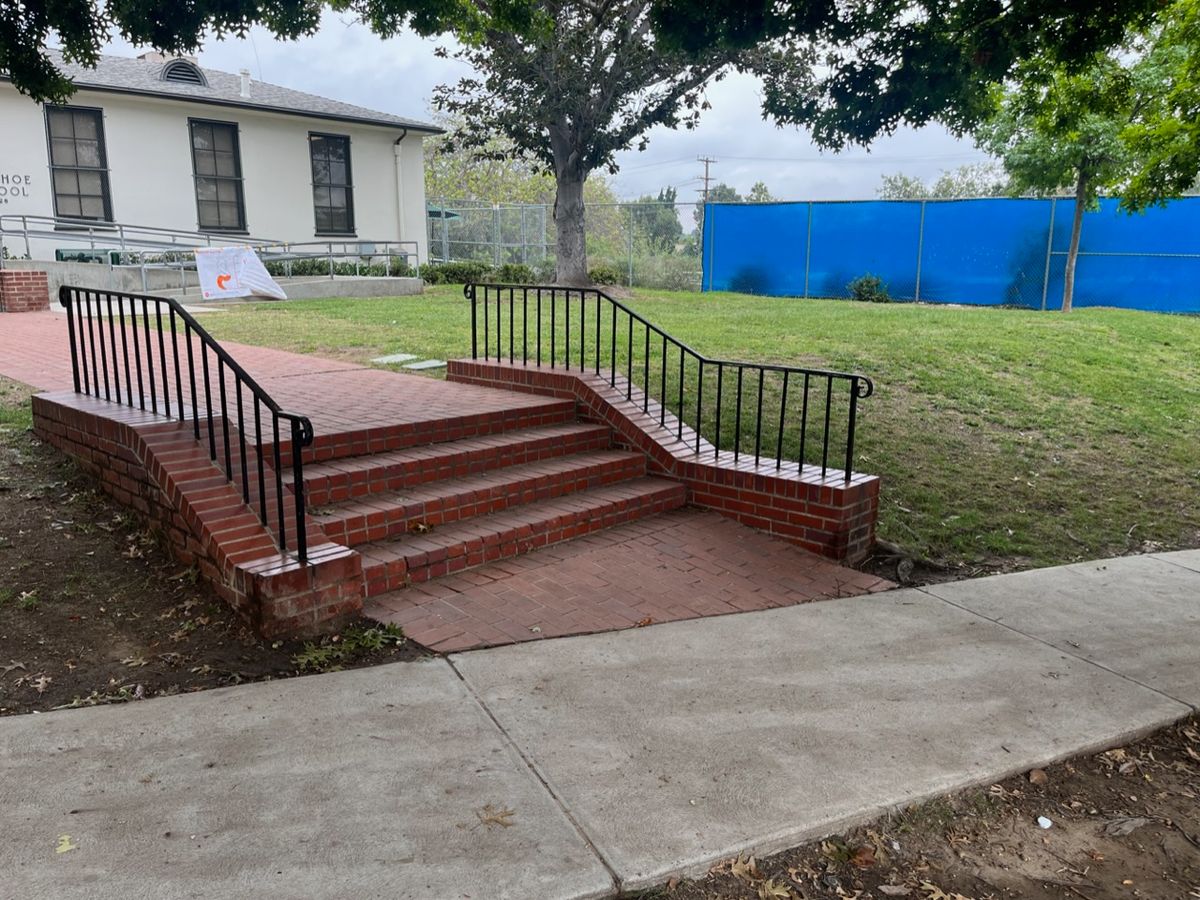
(455, 272)
(515, 273)
(667, 273)
(605, 274)
(869, 289)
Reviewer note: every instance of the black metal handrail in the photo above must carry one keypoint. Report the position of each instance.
(95, 356)
(586, 329)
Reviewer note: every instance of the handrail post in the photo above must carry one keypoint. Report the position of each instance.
(298, 490)
(64, 297)
(469, 290)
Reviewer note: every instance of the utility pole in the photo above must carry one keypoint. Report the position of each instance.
(708, 161)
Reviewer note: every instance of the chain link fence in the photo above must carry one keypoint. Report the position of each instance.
(649, 245)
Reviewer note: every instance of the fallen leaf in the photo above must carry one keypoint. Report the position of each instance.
(41, 683)
(745, 868)
(863, 857)
(419, 528)
(490, 816)
(894, 890)
(642, 623)
(1038, 776)
(773, 890)
(65, 844)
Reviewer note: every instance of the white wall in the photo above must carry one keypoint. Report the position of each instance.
(150, 169)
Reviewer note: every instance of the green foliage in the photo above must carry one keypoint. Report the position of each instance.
(978, 180)
(332, 652)
(397, 267)
(718, 193)
(869, 289)
(759, 193)
(605, 274)
(455, 272)
(1166, 135)
(667, 273)
(656, 223)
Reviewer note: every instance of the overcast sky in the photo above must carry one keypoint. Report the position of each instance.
(347, 62)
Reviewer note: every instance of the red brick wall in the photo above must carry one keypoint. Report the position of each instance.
(831, 517)
(155, 466)
(23, 291)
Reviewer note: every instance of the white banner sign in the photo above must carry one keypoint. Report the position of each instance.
(234, 272)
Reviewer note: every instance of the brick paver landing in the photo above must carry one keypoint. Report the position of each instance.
(678, 565)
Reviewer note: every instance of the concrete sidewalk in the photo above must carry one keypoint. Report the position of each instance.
(574, 767)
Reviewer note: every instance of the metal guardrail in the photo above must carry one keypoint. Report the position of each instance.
(113, 236)
(610, 339)
(95, 356)
(147, 248)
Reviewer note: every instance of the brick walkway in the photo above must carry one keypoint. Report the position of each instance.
(653, 567)
(678, 565)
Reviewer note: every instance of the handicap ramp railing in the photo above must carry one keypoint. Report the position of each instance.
(148, 353)
(788, 415)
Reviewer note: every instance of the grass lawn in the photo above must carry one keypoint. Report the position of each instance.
(1005, 438)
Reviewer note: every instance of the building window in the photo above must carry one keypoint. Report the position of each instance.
(217, 165)
(78, 163)
(333, 190)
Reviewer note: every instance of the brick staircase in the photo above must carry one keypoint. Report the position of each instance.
(457, 494)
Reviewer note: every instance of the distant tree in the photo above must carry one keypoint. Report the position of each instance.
(656, 222)
(718, 193)
(977, 180)
(502, 174)
(759, 193)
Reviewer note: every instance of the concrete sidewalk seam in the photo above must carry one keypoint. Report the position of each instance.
(1192, 708)
(533, 769)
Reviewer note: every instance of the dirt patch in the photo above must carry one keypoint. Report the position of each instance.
(1121, 824)
(93, 609)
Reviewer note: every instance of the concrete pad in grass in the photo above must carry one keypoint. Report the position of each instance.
(676, 745)
(367, 783)
(1136, 615)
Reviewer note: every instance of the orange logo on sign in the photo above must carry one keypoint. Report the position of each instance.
(223, 280)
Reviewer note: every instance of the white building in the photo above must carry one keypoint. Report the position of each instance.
(166, 144)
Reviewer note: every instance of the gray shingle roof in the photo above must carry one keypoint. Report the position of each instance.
(135, 76)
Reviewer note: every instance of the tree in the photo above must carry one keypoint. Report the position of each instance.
(978, 180)
(1054, 128)
(759, 193)
(1166, 138)
(718, 193)
(656, 223)
(585, 81)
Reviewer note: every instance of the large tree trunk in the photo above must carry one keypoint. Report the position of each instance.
(1073, 250)
(570, 244)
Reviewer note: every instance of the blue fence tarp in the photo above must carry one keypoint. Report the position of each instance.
(987, 252)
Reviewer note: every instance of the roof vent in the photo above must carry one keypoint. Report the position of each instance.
(183, 71)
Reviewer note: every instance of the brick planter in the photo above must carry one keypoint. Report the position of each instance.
(23, 291)
(830, 516)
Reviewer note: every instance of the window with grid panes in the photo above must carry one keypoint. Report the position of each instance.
(78, 163)
(217, 166)
(333, 190)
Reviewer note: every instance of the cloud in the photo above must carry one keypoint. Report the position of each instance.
(346, 61)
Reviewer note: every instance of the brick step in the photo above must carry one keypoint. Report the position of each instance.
(389, 565)
(382, 516)
(343, 444)
(358, 476)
